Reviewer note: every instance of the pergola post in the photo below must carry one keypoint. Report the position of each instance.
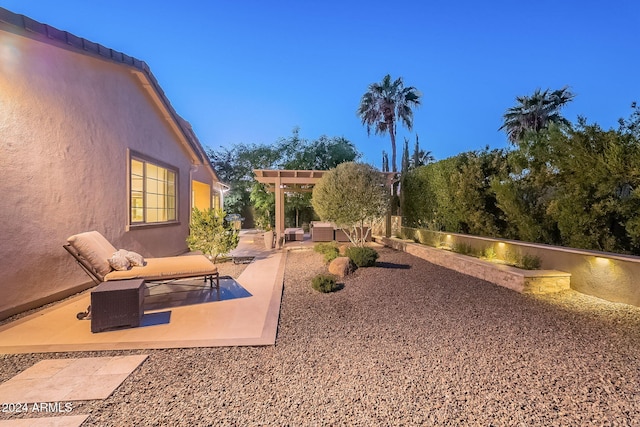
(279, 195)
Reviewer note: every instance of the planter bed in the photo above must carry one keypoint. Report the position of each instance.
(517, 279)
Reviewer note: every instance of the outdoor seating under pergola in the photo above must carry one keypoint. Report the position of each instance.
(286, 181)
(292, 181)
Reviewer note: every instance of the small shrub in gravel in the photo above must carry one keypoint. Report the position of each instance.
(363, 257)
(325, 283)
(329, 250)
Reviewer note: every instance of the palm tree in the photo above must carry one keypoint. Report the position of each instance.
(421, 157)
(386, 102)
(535, 112)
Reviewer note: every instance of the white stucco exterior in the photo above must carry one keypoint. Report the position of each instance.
(68, 121)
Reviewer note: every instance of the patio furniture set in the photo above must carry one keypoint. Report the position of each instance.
(293, 234)
(327, 232)
(118, 299)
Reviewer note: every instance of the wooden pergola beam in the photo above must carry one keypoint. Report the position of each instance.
(286, 181)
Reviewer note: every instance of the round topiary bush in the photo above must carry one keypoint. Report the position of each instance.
(362, 257)
(324, 283)
(329, 250)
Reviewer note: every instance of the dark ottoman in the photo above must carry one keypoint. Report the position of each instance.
(117, 304)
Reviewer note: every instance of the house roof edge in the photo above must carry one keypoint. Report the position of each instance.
(24, 26)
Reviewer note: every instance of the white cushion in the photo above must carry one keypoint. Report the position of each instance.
(135, 258)
(119, 261)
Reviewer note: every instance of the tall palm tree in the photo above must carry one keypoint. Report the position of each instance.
(386, 102)
(535, 112)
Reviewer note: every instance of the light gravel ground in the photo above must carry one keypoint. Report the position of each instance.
(404, 343)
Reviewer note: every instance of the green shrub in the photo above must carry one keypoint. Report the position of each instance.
(325, 283)
(489, 253)
(362, 257)
(427, 237)
(329, 250)
(529, 262)
(464, 249)
(211, 233)
(407, 233)
(512, 257)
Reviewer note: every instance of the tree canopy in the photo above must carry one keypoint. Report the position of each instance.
(351, 195)
(576, 186)
(235, 167)
(534, 113)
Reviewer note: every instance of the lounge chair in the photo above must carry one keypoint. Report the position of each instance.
(93, 251)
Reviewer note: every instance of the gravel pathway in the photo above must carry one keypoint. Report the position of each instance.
(404, 343)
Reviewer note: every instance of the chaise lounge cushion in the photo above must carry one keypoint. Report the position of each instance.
(93, 247)
(96, 251)
(167, 268)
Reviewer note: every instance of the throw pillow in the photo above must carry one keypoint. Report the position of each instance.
(119, 261)
(135, 259)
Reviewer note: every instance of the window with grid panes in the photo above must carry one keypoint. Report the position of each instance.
(153, 193)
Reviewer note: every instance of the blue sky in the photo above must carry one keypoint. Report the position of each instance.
(251, 71)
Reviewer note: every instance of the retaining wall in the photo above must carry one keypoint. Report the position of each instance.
(605, 275)
(519, 280)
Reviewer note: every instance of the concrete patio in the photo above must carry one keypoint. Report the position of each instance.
(243, 312)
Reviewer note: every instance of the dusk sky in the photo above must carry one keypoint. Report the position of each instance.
(251, 71)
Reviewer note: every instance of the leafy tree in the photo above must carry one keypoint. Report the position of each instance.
(323, 153)
(475, 204)
(385, 103)
(631, 127)
(235, 167)
(211, 233)
(428, 196)
(296, 204)
(351, 195)
(534, 113)
(598, 202)
(455, 194)
(264, 204)
(419, 157)
(525, 196)
(576, 186)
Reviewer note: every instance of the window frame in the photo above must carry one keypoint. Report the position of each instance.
(146, 160)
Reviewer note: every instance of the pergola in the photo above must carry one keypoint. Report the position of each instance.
(300, 181)
(286, 181)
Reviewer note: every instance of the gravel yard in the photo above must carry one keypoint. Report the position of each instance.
(404, 343)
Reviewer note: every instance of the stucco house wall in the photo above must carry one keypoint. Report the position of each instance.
(69, 122)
